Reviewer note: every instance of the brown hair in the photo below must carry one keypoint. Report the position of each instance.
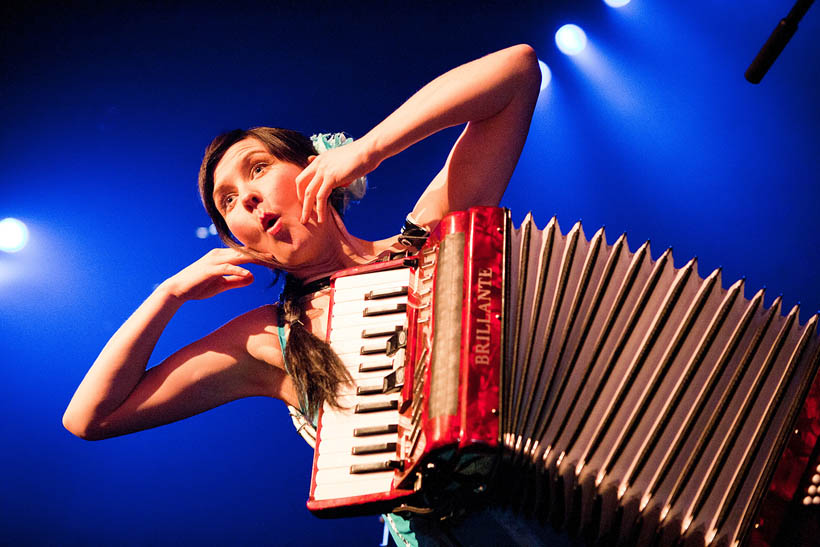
(314, 367)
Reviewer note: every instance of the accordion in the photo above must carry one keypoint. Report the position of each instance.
(582, 386)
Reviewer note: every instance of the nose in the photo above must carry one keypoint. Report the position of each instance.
(251, 199)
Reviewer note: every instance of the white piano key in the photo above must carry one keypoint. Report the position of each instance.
(345, 427)
(396, 276)
(331, 445)
(354, 360)
(348, 402)
(348, 416)
(354, 346)
(376, 291)
(345, 431)
(337, 475)
(375, 483)
(384, 328)
(360, 322)
(340, 460)
(348, 398)
(356, 308)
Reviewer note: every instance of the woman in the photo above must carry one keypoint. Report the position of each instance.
(268, 193)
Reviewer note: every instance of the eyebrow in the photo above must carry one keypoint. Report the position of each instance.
(245, 161)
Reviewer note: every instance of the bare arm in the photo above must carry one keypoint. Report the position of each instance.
(495, 95)
(119, 396)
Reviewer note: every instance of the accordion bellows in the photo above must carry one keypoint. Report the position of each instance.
(644, 399)
(615, 397)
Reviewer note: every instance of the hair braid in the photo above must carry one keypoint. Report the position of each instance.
(315, 368)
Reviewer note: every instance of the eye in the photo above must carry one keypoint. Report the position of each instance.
(227, 201)
(258, 168)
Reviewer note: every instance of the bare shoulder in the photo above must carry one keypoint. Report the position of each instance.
(253, 333)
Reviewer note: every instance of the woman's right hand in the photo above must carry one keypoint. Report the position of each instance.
(212, 274)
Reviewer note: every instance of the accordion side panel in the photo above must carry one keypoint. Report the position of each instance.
(481, 341)
(443, 424)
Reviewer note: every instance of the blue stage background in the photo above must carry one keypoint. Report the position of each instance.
(105, 111)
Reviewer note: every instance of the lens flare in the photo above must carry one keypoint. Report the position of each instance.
(546, 74)
(13, 235)
(570, 39)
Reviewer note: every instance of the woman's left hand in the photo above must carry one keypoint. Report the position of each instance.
(328, 171)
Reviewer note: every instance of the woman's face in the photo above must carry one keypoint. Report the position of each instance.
(256, 195)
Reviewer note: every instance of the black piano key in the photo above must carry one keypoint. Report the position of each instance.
(386, 293)
(378, 406)
(373, 349)
(394, 381)
(388, 465)
(385, 330)
(400, 307)
(373, 448)
(375, 367)
(375, 430)
(396, 342)
(369, 390)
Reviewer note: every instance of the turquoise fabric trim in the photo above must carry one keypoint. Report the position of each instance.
(282, 342)
(401, 531)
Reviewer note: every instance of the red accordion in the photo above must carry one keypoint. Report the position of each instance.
(581, 385)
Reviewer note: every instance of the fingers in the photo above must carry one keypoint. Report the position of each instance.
(235, 271)
(236, 281)
(321, 202)
(229, 255)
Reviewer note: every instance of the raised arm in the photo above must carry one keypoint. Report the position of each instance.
(119, 396)
(495, 95)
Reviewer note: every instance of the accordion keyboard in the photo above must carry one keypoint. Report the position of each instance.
(357, 442)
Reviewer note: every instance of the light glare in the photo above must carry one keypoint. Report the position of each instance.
(616, 3)
(546, 74)
(570, 39)
(13, 235)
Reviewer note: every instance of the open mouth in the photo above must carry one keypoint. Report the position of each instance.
(269, 221)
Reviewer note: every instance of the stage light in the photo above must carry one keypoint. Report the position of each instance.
(202, 232)
(570, 39)
(616, 3)
(212, 229)
(13, 235)
(546, 74)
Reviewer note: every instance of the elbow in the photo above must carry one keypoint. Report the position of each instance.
(522, 63)
(83, 429)
(525, 61)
